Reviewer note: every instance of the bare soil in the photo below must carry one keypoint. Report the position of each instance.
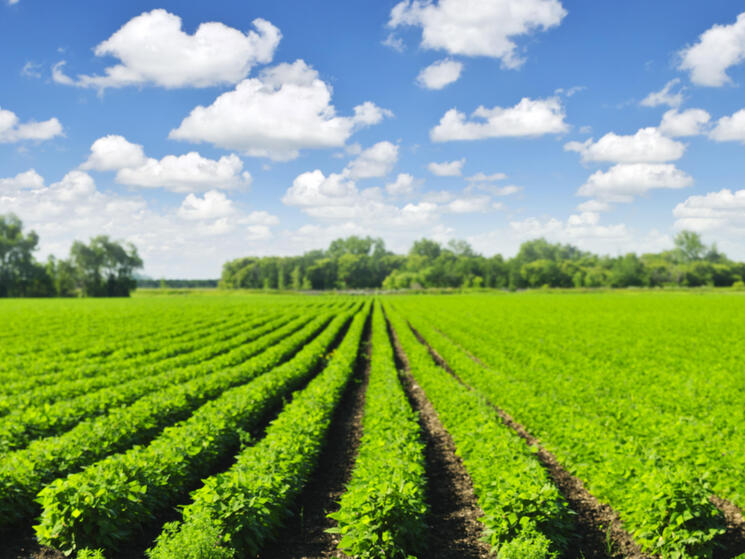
(305, 534)
(454, 529)
(733, 542)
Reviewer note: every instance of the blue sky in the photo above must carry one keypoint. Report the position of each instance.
(204, 132)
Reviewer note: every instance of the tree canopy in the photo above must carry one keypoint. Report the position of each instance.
(361, 263)
(102, 268)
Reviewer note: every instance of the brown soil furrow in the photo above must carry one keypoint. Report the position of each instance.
(599, 533)
(733, 542)
(305, 536)
(454, 529)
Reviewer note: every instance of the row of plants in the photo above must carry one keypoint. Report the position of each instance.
(109, 501)
(94, 339)
(45, 369)
(382, 513)
(76, 381)
(234, 513)
(24, 425)
(525, 516)
(601, 403)
(24, 472)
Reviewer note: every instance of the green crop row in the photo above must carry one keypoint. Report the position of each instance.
(107, 502)
(96, 343)
(382, 513)
(19, 428)
(78, 381)
(525, 517)
(632, 451)
(162, 346)
(24, 472)
(235, 512)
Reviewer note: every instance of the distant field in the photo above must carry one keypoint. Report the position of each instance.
(533, 425)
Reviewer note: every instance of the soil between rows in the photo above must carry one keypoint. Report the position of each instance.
(599, 533)
(304, 535)
(454, 529)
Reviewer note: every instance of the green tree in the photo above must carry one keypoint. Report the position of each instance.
(20, 274)
(690, 246)
(105, 268)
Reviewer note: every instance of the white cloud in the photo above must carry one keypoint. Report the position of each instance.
(718, 48)
(375, 161)
(528, 118)
(594, 206)
(213, 205)
(482, 177)
(336, 198)
(665, 96)
(171, 246)
(188, 172)
(690, 122)
(494, 190)
(447, 168)
(396, 43)
(723, 210)
(439, 74)
(730, 128)
(31, 70)
(153, 49)
(404, 184)
(28, 179)
(473, 28)
(313, 188)
(647, 145)
(473, 204)
(286, 109)
(622, 182)
(113, 152)
(179, 173)
(12, 130)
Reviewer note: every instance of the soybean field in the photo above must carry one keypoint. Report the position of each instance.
(517, 426)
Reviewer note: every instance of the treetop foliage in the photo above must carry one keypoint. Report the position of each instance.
(364, 263)
(102, 268)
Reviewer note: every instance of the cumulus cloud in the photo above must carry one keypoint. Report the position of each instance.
(473, 28)
(114, 152)
(723, 210)
(690, 122)
(528, 118)
(665, 96)
(730, 128)
(28, 179)
(404, 184)
(472, 204)
(13, 130)
(622, 182)
(336, 197)
(647, 145)
(286, 109)
(594, 206)
(376, 161)
(174, 242)
(717, 49)
(153, 49)
(179, 173)
(439, 74)
(447, 168)
(495, 190)
(212, 205)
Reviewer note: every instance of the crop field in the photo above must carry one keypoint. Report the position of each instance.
(518, 426)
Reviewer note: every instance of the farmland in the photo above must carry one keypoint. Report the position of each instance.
(530, 425)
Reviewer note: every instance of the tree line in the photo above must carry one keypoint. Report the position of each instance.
(101, 268)
(365, 263)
